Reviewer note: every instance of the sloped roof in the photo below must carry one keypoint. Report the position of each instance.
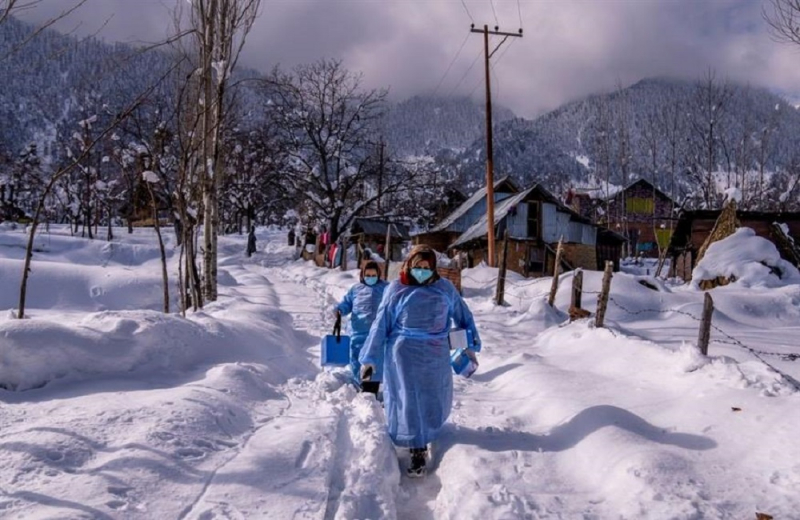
(609, 235)
(469, 204)
(599, 193)
(649, 185)
(370, 226)
(502, 208)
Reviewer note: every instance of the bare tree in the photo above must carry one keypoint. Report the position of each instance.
(220, 28)
(706, 125)
(150, 177)
(9, 8)
(603, 144)
(783, 19)
(329, 125)
(765, 148)
(55, 178)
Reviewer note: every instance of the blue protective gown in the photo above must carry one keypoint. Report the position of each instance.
(362, 301)
(410, 337)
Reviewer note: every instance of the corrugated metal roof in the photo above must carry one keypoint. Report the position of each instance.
(465, 207)
(479, 229)
(378, 227)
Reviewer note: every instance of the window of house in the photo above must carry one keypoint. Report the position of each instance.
(639, 206)
(533, 219)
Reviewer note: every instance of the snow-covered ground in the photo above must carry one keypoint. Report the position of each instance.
(115, 410)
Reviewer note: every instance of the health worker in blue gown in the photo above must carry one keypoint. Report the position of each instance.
(362, 301)
(410, 338)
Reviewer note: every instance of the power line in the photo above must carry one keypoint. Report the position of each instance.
(496, 21)
(451, 65)
(467, 72)
(467, 10)
(495, 64)
(519, 10)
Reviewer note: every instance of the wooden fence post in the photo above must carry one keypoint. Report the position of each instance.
(554, 288)
(705, 324)
(344, 251)
(577, 288)
(602, 298)
(501, 276)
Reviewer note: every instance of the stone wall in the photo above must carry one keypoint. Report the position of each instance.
(581, 255)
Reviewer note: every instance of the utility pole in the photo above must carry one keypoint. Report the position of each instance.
(489, 147)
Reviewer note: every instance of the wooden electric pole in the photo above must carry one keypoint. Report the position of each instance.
(489, 147)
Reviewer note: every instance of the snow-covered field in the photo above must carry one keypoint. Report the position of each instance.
(115, 410)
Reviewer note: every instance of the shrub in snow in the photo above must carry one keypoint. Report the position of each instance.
(746, 259)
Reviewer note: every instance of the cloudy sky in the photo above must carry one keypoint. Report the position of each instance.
(570, 48)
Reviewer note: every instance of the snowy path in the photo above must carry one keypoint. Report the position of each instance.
(226, 415)
(314, 459)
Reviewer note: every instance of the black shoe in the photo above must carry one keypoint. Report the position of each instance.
(417, 467)
(370, 387)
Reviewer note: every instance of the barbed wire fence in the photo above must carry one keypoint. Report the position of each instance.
(518, 288)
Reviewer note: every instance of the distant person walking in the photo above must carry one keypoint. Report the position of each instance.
(410, 338)
(251, 241)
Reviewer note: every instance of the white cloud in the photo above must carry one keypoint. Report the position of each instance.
(570, 48)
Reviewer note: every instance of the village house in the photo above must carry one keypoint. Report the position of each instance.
(640, 212)
(441, 236)
(536, 220)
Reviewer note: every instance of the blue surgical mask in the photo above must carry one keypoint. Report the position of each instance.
(370, 280)
(421, 275)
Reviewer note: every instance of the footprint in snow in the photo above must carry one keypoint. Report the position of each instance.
(119, 491)
(164, 436)
(201, 443)
(190, 453)
(54, 456)
(117, 505)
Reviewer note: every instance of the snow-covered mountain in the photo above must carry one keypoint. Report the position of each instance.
(49, 82)
(429, 125)
(638, 126)
(659, 129)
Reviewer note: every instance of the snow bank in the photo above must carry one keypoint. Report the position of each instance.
(542, 313)
(113, 343)
(747, 259)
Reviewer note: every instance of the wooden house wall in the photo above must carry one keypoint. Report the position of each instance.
(581, 255)
(440, 241)
(624, 203)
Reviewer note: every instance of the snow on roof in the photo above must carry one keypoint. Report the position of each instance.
(465, 207)
(752, 260)
(598, 191)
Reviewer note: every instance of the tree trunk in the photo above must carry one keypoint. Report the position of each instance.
(164, 276)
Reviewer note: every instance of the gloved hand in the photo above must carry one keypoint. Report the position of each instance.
(367, 371)
(471, 354)
(476, 346)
